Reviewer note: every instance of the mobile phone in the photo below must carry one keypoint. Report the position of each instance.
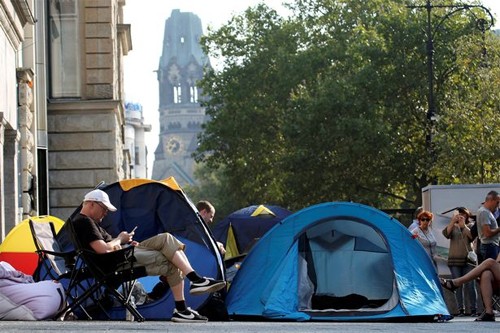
(133, 230)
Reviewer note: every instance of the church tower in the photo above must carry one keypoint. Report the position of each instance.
(181, 66)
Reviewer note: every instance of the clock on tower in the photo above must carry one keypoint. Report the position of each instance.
(173, 145)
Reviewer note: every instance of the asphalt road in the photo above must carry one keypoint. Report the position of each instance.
(456, 325)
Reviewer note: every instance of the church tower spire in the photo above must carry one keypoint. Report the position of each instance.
(181, 66)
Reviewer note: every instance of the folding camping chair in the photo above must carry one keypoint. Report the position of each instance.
(496, 302)
(56, 264)
(110, 271)
(52, 261)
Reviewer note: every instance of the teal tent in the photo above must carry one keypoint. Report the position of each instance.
(339, 262)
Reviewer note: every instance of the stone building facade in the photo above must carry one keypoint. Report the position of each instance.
(62, 114)
(181, 65)
(17, 107)
(85, 109)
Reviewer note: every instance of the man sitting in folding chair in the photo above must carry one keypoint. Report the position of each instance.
(162, 254)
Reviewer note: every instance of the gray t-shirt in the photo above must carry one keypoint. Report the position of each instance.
(485, 217)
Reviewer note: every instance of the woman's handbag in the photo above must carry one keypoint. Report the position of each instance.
(471, 255)
(472, 258)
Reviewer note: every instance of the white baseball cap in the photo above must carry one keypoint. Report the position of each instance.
(100, 196)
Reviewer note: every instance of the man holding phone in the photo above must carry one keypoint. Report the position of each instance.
(162, 254)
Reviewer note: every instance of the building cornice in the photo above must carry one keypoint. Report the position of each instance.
(23, 9)
(11, 24)
(125, 37)
(77, 105)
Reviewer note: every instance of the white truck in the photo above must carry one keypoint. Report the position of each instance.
(441, 201)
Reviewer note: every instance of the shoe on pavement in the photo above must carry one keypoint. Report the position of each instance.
(188, 316)
(486, 317)
(207, 285)
(473, 313)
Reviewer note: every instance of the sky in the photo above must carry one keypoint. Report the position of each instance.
(147, 19)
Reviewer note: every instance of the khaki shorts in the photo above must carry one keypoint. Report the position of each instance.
(156, 253)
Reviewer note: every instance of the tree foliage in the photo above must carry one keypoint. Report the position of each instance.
(468, 130)
(330, 104)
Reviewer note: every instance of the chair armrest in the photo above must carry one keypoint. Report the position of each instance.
(69, 257)
(58, 254)
(111, 261)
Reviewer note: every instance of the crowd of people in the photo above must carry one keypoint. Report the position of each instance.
(466, 262)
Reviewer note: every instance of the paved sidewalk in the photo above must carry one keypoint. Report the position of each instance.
(464, 324)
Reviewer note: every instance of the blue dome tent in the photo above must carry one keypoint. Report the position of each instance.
(240, 230)
(337, 262)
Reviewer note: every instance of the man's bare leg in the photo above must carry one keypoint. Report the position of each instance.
(178, 291)
(181, 262)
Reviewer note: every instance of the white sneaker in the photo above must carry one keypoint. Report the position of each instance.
(188, 316)
(207, 285)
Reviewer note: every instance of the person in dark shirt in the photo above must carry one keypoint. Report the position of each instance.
(207, 213)
(162, 254)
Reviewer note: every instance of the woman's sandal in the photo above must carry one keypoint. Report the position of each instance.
(448, 284)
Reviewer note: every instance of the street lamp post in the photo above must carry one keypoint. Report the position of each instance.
(481, 23)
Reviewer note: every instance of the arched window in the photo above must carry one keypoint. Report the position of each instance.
(193, 94)
(177, 93)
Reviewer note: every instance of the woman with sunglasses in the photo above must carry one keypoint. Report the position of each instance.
(425, 235)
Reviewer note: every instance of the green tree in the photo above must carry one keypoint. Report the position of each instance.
(468, 129)
(362, 105)
(249, 98)
(330, 104)
(212, 187)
